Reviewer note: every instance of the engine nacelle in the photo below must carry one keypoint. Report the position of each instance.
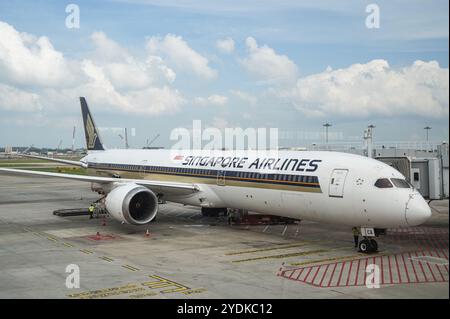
(132, 204)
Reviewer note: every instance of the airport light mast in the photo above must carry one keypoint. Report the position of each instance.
(427, 129)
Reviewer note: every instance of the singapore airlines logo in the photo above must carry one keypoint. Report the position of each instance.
(91, 135)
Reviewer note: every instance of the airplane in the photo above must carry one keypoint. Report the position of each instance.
(321, 186)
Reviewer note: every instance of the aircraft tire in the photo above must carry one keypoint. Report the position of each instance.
(364, 246)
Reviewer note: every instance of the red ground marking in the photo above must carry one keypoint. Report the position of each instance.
(307, 275)
(398, 269)
(340, 273)
(324, 275)
(317, 271)
(349, 273)
(390, 269)
(406, 268)
(413, 267)
(301, 271)
(332, 274)
(357, 272)
(421, 267)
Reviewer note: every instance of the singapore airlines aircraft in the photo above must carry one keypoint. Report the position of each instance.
(327, 187)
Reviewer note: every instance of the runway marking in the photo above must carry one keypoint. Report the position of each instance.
(283, 246)
(130, 267)
(143, 295)
(284, 230)
(138, 291)
(68, 245)
(347, 273)
(106, 258)
(108, 292)
(52, 238)
(165, 283)
(86, 251)
(290, 255)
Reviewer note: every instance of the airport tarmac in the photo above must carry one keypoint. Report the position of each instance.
(188, 256)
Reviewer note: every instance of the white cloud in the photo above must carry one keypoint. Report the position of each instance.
(28, 60)
(373, 88)
(181, 55)
(246, 97)
(13, 99)
(225, 45)
(125, 71)
(148, 100)
(33, 74)
(264, 64)
(215, 99)
(219, 122)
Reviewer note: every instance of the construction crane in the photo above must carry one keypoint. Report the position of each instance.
(154, 139)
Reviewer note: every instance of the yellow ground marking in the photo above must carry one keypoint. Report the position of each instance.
(52, 238)
(108, 292)
(68, 245)
(193, 291)
(86, 251)
(130, 267)
(290, 255)
(341, 258)
(143, 295)
(165, 283)
(106, 258)
(286, 246)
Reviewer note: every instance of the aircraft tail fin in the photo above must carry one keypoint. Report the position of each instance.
(93, 141)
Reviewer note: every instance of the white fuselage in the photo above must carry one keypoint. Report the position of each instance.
(328, 187)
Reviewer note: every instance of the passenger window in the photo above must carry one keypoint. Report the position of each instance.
(383, 183)
(400, 183)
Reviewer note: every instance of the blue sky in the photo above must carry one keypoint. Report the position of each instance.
(275, 75)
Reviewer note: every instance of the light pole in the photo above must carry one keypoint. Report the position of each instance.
(326, 125)
(427, 128)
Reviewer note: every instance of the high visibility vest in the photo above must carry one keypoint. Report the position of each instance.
(91, 209)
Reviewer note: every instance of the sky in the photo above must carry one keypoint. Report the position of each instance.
(155, 66)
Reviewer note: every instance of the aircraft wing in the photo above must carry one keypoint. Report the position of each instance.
(156, 186)
(58, 160)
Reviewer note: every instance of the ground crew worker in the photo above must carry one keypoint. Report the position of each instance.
(355, 231)
(91, 210)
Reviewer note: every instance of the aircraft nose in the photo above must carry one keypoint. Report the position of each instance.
(417, 210)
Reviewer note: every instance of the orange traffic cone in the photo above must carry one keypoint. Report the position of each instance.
(147, 233)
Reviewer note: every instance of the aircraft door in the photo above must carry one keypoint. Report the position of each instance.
(337, 182)
(221, 178)
(142, 169)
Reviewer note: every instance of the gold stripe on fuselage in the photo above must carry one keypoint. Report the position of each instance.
(210, 180)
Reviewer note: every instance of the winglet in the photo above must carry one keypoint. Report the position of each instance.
(93, 141)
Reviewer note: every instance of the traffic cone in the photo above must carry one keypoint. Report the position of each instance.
(147, 233)
(98, 235)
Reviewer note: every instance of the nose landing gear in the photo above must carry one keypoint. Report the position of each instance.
(368, 245)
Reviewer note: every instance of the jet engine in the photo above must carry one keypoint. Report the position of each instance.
(132, 204)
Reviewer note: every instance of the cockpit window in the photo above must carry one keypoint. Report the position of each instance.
(400, 183)
(383, 183)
